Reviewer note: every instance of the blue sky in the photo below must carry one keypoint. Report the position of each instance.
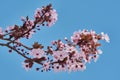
(99, 15)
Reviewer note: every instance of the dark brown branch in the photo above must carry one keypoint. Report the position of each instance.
(11, 41)
(3, 44)
(10, 47)
(7, 45)
(40, 21)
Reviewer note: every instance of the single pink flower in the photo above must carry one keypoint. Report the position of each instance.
(37, 13)
(46, 66)
(37, 53)
(26, 66)
(59, 55)
(105, 37)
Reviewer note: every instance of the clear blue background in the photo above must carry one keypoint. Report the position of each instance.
(100, 15)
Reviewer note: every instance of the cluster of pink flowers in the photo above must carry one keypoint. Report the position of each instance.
(50, 15)
(68, 61)
(45, 16)
(88, 42)
(74, 54)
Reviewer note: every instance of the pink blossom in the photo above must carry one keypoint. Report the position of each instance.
(105, 37)
(56, 67)
(70, 65)
(59, 68)
(70, 68)
(1, 32)
(62, 68)
(53, 17)
(75, 37)
(78, 67)
(29, 24)
(37, 53)
(70, 49)
(47, 14)
(82, 66)
(37, 13)
(99, 51)
(85, 32)
(79, 56)
(89, 59)
(53, 14)
(26, 66)
(46, 66)
(61, 45)
(75, 66)
(92, 32)
(59, 55)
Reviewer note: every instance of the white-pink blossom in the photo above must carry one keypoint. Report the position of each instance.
(75, 66)
(59, 55)
(1, 32)
(26, 66)
(29, 24)
(47, 14)
(70, 49)
(92, 32)
(53, 17)
(53, 14)
(76, 37)
(78, 66)
(37, 13)
(56, 67)
(99, 51)
(46, 66)
(105, 37)
(59, 68)
(37, 53)
(80, 56)
(82, 66)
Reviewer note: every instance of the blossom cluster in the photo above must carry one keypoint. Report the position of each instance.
(72, 55)
(50, 15)
(45, 16)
